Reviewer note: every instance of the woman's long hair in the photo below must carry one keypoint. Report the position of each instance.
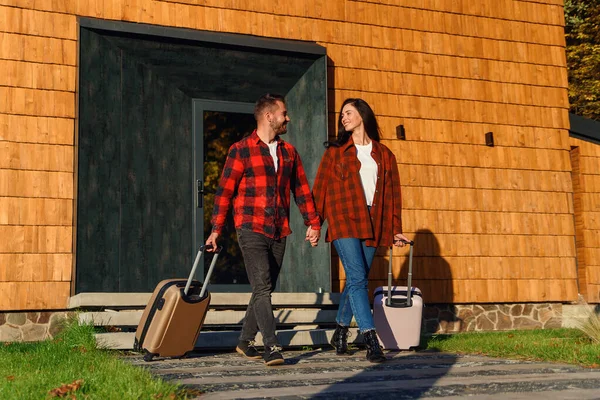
(369, 121)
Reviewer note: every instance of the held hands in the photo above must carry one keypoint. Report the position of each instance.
(313, 236)
(399, 240)
(211, 242)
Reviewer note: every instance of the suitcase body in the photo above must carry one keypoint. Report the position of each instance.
(398, 312)
(398, 325)
(173, 317)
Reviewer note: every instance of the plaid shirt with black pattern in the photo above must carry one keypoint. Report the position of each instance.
(261, 196)
(340, 198)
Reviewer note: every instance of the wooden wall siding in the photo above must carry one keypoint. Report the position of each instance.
(493, 224)
(586, 194)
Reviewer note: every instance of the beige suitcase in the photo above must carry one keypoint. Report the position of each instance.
(172, 320)
(398, 312)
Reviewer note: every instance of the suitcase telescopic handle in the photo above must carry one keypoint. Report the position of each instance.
(409, 281)
(210, 269)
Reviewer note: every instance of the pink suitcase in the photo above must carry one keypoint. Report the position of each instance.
(398, 311)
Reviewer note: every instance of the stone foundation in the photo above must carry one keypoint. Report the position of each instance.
(448, 318)
(31, 326)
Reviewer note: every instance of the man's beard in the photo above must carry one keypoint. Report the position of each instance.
(279, 129)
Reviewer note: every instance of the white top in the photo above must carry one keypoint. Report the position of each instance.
(273, 151)
(368, 170)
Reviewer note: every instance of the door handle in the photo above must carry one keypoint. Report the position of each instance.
(200, 193)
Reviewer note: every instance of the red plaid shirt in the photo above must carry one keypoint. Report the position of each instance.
(340, 197)
(261, 196)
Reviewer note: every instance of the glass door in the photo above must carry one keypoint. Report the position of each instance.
(217, 125)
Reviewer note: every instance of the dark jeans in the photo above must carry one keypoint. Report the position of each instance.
(262, 258)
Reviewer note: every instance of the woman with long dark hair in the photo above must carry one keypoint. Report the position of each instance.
(357, 191)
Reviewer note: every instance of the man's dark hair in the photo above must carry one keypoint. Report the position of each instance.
(267, 100)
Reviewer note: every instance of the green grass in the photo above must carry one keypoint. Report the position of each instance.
(554, 345)
(71, 364)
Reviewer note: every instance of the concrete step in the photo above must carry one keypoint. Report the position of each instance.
(229, 339)
(233, 300)
(213, 317)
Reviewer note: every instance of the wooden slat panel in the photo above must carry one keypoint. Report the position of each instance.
(481, 178)
(492, 290)
(37, 102)
(31, 129)
(479, 155)
(592, 256)
(428, 130)
(430, 198)
(423, 39)
(594, 274)
(441, 221)
(458, 67)
(451, 88)
(37, 23)
(358, 34)
(546, 13)
(36, 156)
(474, 268)
(37, 49)
(453, 23)
(552, 2)
(35, 267)
(34, 295)
(590, 183)
(63, 6)
(591, 238)
(465, 245)
(593, 294)
(590, 202)
(35, 239)
(589, 165)
(17, 183)
(452, 110)
(332, 10)
(587, 149)
(37, 76)
(504, 9)
(35, 211)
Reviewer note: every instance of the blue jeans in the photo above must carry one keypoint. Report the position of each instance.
(356, 258)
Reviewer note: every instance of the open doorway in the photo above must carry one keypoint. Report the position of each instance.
(137, 218)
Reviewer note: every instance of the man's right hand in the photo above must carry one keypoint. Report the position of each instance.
(211, 242)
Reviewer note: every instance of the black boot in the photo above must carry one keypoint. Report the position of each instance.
(340, 339)
(374, 352)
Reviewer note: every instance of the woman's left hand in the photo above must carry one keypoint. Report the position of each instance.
(400, 240)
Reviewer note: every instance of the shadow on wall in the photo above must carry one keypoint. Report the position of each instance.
(433, 276)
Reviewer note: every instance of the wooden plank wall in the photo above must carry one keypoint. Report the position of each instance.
(585, 158)
(493, 224)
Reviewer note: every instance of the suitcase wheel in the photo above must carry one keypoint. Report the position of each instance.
(180, 357)
(148, 356)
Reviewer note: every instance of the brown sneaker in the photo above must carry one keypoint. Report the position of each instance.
(273, 356)
(248, 350)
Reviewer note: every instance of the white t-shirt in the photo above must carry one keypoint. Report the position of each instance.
(368, 170)
(273, 151)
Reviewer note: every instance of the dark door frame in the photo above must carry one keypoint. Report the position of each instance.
(216, 39)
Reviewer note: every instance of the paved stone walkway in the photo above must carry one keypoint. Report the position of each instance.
(407, 375)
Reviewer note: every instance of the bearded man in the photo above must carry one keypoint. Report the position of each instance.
(260, 172)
